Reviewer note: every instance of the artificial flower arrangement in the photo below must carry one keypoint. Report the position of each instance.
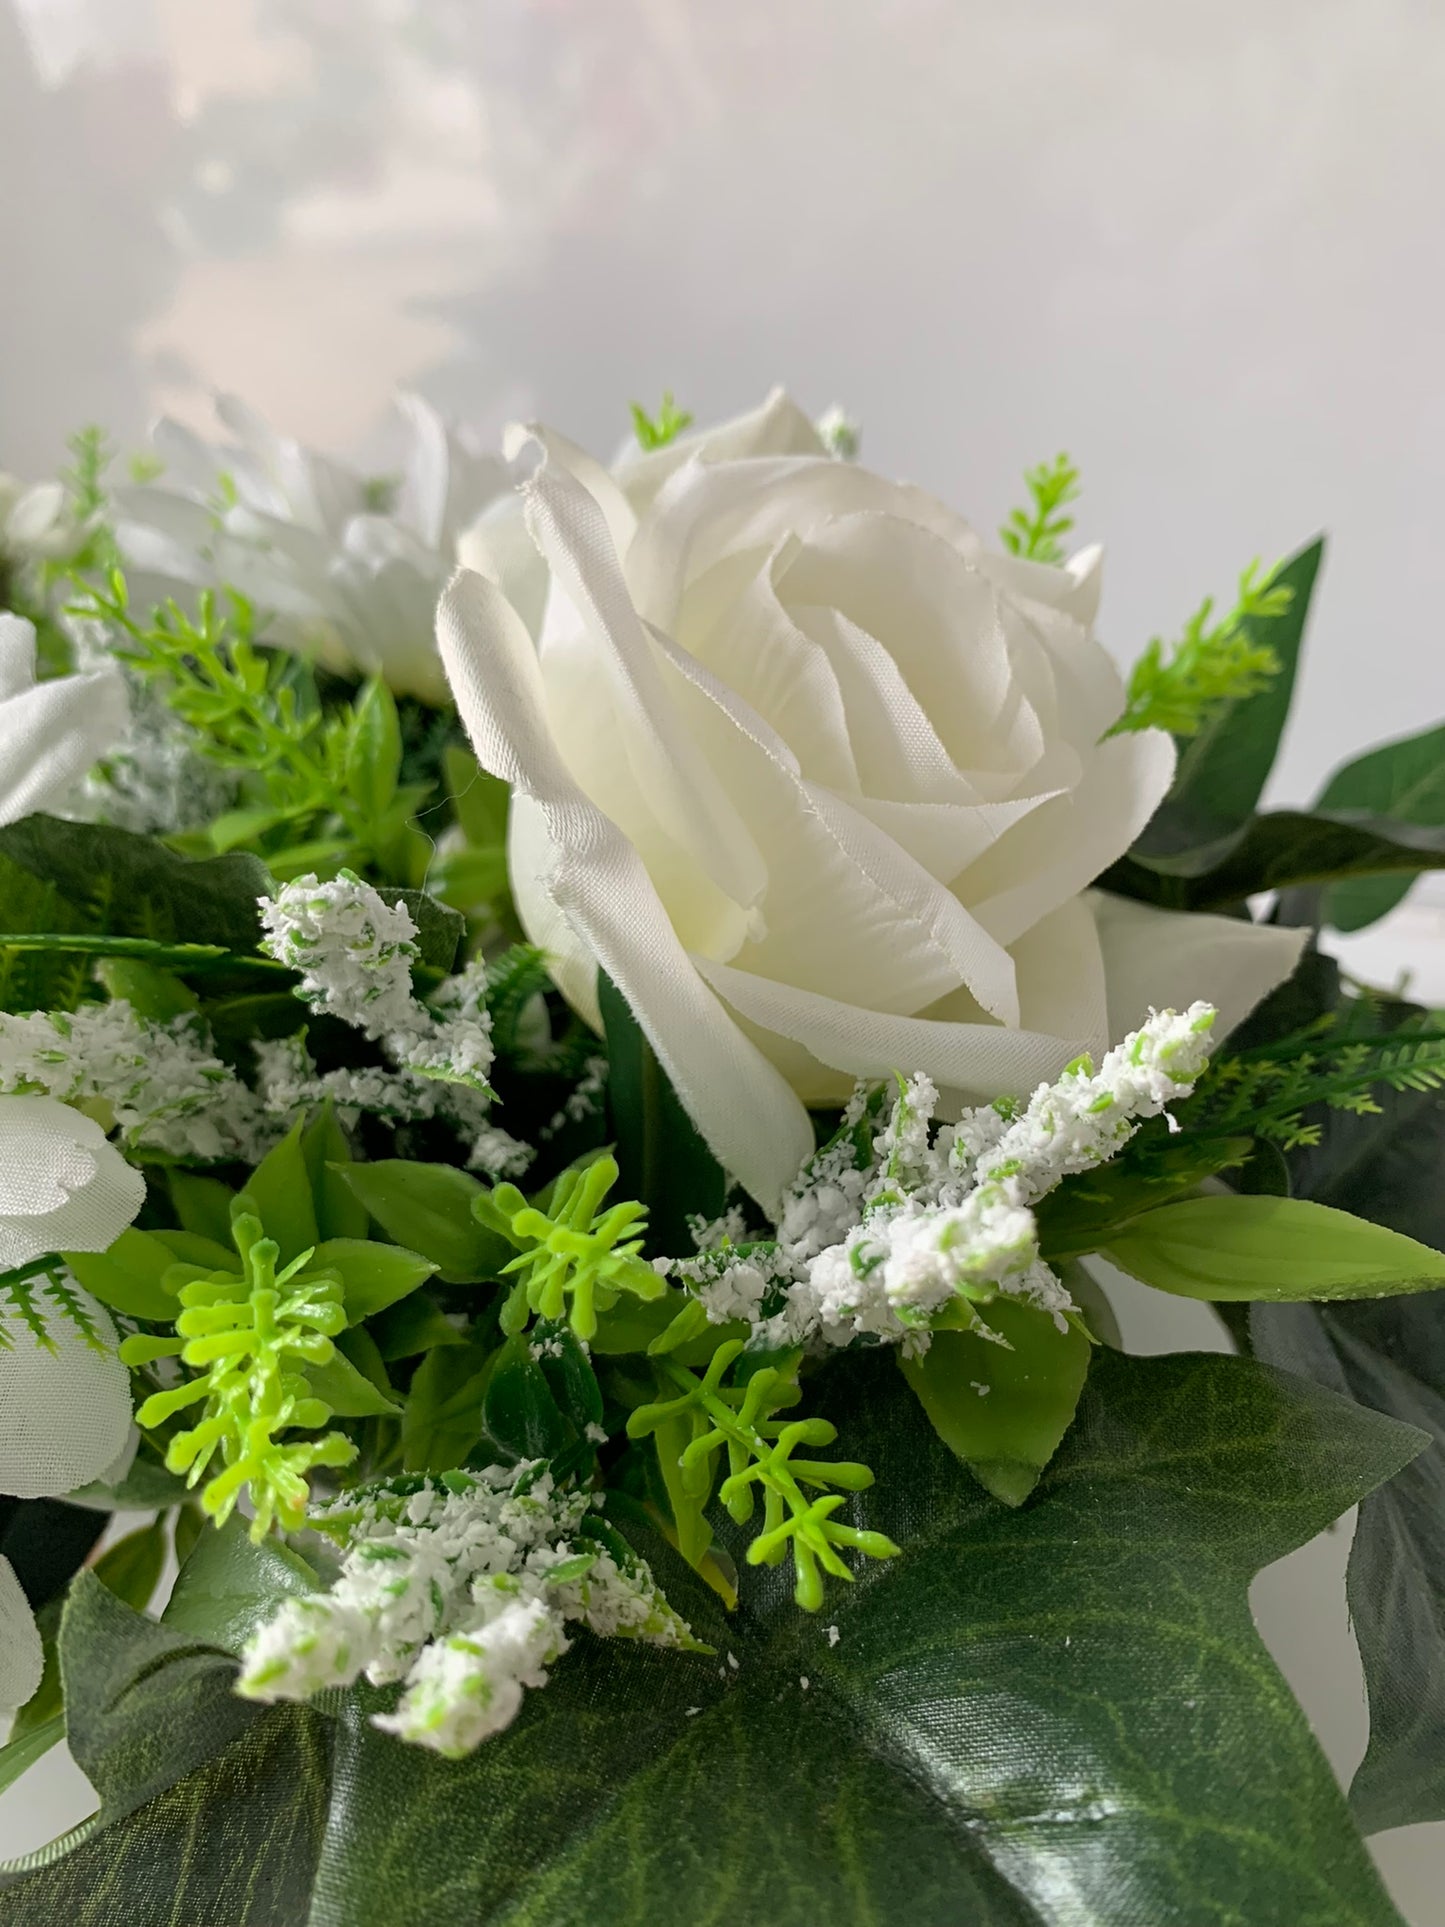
(573, 1041)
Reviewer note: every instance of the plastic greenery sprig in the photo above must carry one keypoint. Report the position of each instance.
(329, 779)
(656, 431)
(1216, 661)
(245, 1337)
(1037, 532)
(739, 1419)
(1264, 1092)
(573, 1258)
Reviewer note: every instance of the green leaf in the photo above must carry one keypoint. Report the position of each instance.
(230, 1585)
(373, 750)
(1403, 780)
(324, 1146)
(428, 1209)
(1223, 769)
(347, 1391)
(1078, 1215)
(22, 1750)
(1391, 1357)
(439, 929)
(1278, 851)
(132, 1745)
(123, 885)
(146, 1487)
(278, 1191)
(415, 1324)
(256, 1872)
(664, 1161)
(373, 1276)
(128, 1276)
(482, 801)
(519, 1414)
(443, 1417)
(1003, 1411)
(204, 1254)
(1269, 1248)
(132, 1567)
(1037, 1717)
(203, 1205)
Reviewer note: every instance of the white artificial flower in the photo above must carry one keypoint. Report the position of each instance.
(64, 1394)
(351, 566)
(65, 1418)
(818, 780)
(63, 1187)
(36, 523)
(50, 732)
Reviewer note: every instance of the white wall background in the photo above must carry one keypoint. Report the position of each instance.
(1197, 245)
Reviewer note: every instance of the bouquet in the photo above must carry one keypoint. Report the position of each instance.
(579, 1047)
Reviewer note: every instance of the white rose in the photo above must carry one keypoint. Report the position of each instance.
(50, 732)
(818, 781)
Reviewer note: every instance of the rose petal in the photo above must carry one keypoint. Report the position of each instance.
(1061, 847)
(754, 1123)
(1165, 959)
(973, 1062)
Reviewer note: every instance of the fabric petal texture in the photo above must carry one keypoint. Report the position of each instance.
(65, 1408)
(63, 1186)
(50, 732)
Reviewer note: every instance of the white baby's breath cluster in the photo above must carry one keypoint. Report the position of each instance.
(160, 1084)
(885, 1230)
(462, 1588)
(354, 952)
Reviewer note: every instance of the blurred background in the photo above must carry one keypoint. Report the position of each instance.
(1194, 246)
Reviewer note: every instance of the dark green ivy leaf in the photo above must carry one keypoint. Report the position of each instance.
(1404, 780)
(122, 884)
(1281, 850)
(1034, 1718)
(1390, 1354)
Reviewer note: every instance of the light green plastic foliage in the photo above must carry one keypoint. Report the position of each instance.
(572, 1261)
(428, 1207)
(278, 1192)
(1268, 1248)
(128, 1276)
(706, 1417)
(1003, 1408)
(250, 1339)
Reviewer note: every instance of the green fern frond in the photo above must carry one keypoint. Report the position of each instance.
(654, 432)
(1037, 532)
(513, 980)
(1216, 661)
(1266, 1093)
